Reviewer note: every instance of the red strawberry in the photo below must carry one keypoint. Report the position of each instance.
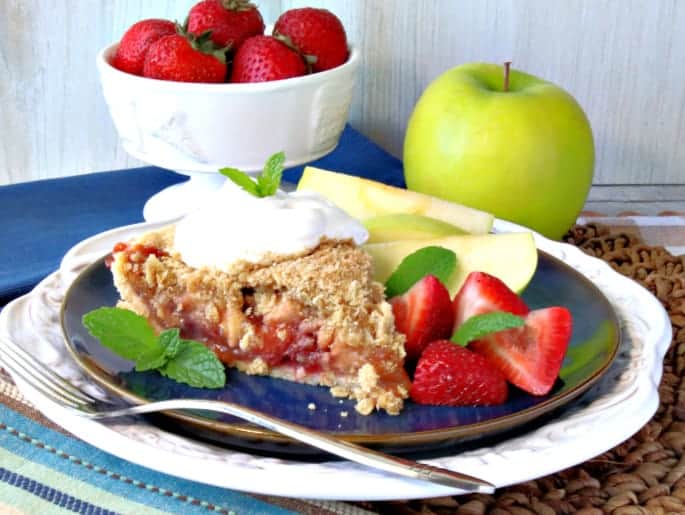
(315, 32)
(130, 54)
(231, 21)
(264, 58)
(484, 293)
(423, 314)
(450, 375)
(530, 357)
(185, 59)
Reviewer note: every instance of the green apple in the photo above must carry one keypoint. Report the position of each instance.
(523, 151)
(513, 257)
(364, 198)
(403, 226)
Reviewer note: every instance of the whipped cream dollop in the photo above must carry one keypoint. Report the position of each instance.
(234, 225)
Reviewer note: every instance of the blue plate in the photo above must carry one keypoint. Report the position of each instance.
(593, 347)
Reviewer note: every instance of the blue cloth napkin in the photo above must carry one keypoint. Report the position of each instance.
(41, 220)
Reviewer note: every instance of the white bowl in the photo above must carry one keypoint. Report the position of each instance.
(191, 127)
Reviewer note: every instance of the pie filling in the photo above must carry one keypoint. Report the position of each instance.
(262, 328)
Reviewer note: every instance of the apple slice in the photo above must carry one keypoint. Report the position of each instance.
(403, 226)
(364, 198)
(511, 257)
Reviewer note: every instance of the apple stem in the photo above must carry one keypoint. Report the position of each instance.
(507, 64)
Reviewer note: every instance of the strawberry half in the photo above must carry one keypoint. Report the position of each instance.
(530, 357)
(484, 293)
(423, 314)
(450, 375)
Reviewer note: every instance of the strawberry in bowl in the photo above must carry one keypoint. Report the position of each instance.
(265, 58)
(199, 99)
(133, 47)
(229, 22)
(317, 33)
(182, 57)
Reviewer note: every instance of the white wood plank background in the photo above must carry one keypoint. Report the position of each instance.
(622, 59)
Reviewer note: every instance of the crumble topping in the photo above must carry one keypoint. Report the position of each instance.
(325, 296)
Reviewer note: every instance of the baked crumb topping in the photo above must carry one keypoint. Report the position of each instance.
(315, 317)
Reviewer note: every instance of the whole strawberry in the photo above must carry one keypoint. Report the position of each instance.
(136, 41)
(264, 58)
(231, 21)
(184, 58)
(450, 375)
(315, 32)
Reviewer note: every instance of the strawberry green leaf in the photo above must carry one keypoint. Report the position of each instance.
(437, 261)
(241, 179)
(481, 325)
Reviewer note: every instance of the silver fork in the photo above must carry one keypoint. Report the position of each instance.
(25, 367)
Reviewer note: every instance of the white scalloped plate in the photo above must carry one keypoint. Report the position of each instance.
(614, 409)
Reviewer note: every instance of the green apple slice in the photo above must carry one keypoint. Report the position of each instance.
(512, 257)
(403, 226)
(364, 198)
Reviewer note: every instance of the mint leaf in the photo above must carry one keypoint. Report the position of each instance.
(132, 337)
(437, 261)
(196, 366)
(478, 326)
(169, 346)
(124, 332)
(171, 340)
(151, 361)
(270, 179)
(241, 179)
(266, 184)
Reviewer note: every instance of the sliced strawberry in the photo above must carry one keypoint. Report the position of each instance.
(530, 357)
(423, 314)
(484, 293)
(450, 375)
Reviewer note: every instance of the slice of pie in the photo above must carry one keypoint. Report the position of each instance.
(316, 317)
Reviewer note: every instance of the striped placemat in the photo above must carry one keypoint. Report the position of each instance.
(45, 470)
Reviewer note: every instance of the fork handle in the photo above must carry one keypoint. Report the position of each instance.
(347, 450)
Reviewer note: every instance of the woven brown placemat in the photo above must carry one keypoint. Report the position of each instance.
(643, 475)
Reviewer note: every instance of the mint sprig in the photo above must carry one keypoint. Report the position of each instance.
(432, 260)
(132, 337)
(481, 325)
(266, 184)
